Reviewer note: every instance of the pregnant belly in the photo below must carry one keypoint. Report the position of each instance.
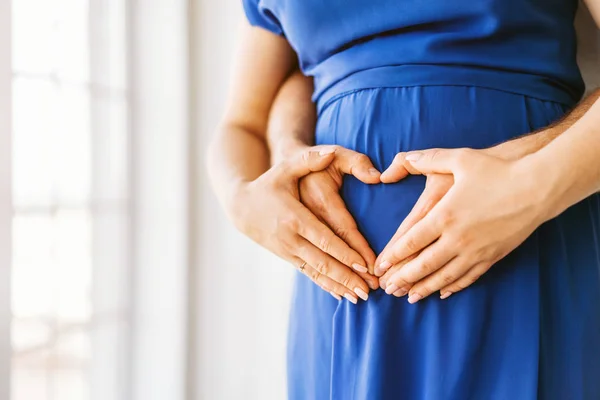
(382, 122)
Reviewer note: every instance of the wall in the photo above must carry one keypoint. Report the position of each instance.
(242, 292)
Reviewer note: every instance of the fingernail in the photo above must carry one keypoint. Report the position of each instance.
(337, 296)
(446, 295)
(412, 157)
(401, 292)
(413, 298)
(384, 266)
(373, 172)
(327, 151)
(359, 268)
(361, 293)
(391, 289)
(351, 298)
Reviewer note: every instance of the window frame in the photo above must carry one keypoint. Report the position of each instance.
(159, 140)
(98, 93)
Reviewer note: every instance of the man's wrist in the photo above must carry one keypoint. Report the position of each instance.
(285, 148)
(549, 182)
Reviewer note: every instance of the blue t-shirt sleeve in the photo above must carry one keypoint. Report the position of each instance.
(260, 16)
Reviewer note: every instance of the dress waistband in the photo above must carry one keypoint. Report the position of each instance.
(531, 85)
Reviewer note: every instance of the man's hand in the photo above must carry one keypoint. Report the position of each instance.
(268, 210)
(493, 206)
(319, 192)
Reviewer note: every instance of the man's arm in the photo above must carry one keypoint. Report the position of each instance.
(571, 163)
(292, 119)
(532, 142)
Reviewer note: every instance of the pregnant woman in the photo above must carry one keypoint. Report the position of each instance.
(504, 227)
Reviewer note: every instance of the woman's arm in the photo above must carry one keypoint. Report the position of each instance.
(261, 200)
(239, 151)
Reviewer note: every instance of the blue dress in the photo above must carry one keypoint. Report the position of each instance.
(398, 75)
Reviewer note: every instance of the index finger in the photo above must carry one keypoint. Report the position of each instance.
(422, 234)
(418, 212)
(431, 161)
(339, 219)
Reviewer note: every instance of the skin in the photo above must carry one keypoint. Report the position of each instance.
(292, 130)
(492, 226)
(262, 199)
(294, 133)
(413, 273)
(244, 174)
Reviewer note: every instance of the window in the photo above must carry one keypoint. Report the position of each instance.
(71, 200)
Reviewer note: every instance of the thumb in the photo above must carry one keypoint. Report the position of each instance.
(309, 160)
(350, 162)
(433, 161)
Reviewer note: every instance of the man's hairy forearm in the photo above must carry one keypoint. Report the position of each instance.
(532, 142)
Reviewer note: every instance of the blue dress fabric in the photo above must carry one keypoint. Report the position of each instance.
(393, 76)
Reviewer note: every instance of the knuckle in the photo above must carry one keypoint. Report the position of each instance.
(325, 243)
(345, 259)
(426, 266)
(446, 218)
(435, 154)
(342, 232)
(474, 277)
(318, 206)
(346, 280)
(448, 279)
(322, 267)
(316, 277)
(289, 223)
(425, 290)
(305, 155)
(411, 245)
(361, 159)
(322, 282)
(399, 158)
(288, 246)
(462, 241)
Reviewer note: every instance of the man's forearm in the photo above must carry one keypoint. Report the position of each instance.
(292, 119)
(532, 142)
(570, 164)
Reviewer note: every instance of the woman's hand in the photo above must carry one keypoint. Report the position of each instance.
(319, 192)
(493, 206)
(436, 187)
(269, 212)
